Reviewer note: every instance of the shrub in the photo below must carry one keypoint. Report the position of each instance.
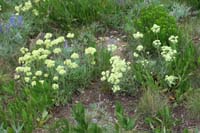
(155, 14)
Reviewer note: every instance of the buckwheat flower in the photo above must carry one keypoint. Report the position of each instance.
(112, 47)
(70, 35)
(34, 77)
(74, 56)
(26, 79)
(49, 63)
(156, 43)
(36, 1)
(168, 53)
(57, 50)
(41, 82)
(55, 86)
(16, 76)
(27, 69)
(171, 80)
(139, 48)
(23, 50)
(19, 69)
(138, 35)
(38, 73)
(90, 50)
(173, 39)
(39, 42)
(0, 8)
(155, 28)
(46, 75)
(60, 39)
(28, 73)
(33, 83)
(116, 88)
(48, 35)
(73, 65)
(35, 12)
(61, 70)
(55, 78)
(135, 54)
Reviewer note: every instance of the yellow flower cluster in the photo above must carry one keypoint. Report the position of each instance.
(27, 6)
(114, 76)
(90, 51)
(171, 80)
(168, 53)
(37, 64)
(70, 64)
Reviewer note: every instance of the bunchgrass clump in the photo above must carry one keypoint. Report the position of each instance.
(151, 103)
(193, 104)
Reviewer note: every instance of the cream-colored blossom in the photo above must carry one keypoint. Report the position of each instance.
(70, 35)
(74, 56)
(138, 35)
(155, 28)
(139, 48)
(90, 50)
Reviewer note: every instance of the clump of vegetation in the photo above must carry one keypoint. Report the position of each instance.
(155, 14)
(151, 103)
(193, 104)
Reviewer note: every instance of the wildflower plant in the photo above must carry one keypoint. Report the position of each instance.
(47, 63)
(158, 71)
(119, 68)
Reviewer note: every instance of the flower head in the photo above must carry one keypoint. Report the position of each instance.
(139, 48)
(74, 56)
(70, 35)
(155, 28)
(173, 39)
(138, 35)
(90, 50)
(171, 80)
(156, 43)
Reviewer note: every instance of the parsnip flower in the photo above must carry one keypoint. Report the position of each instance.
(39, 42)
(74, 56)
(16, 76)
(171, 80)
(26, 79)
(90, 50)
(173, 39)
(50, 63)
(70, 35)
(155, 28)
(46, 75)
(114, 76)
(156, 43)
(139, 48)
(135, 54)
(138, 35)
(55, 78)
(41, 82)
(33, 83)
(38, 73)
(55, 86)
(57, 50)
(48, 35)
(35, 12)
(168, 53)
